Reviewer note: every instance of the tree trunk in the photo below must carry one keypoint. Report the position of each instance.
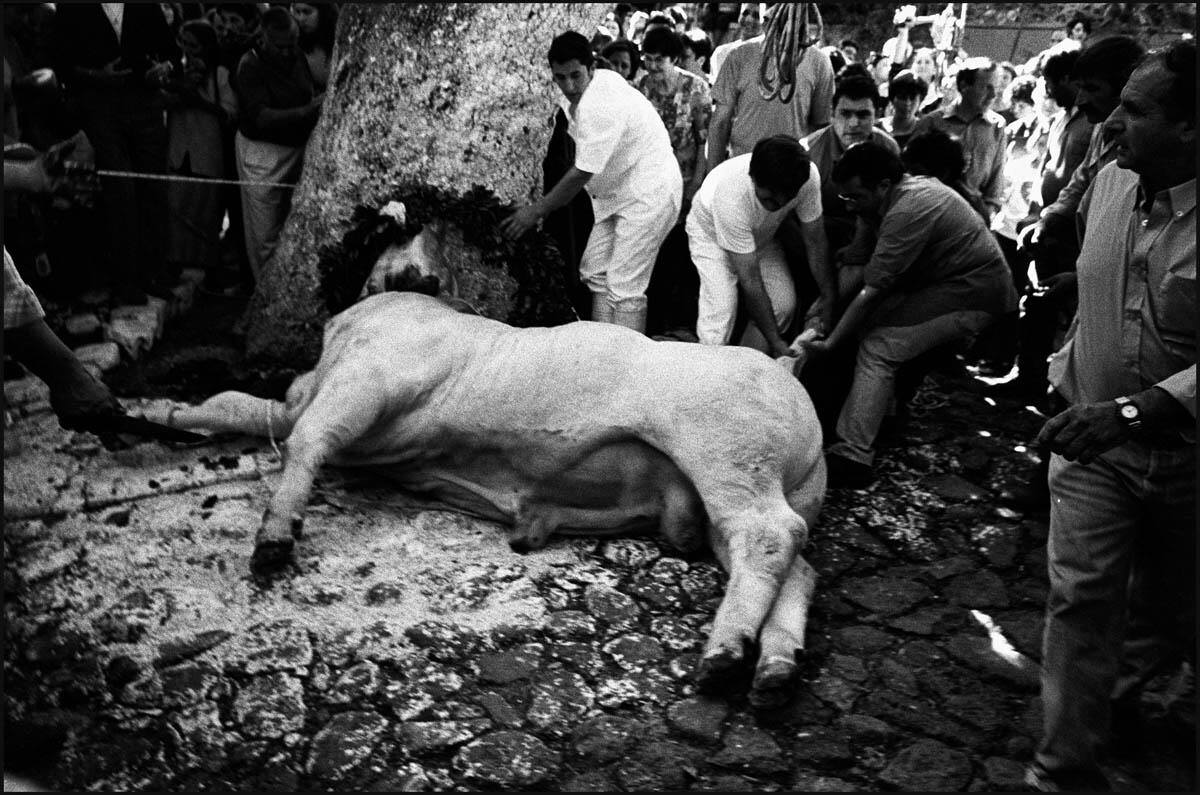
(447, 96)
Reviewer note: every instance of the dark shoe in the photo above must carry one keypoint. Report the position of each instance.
(844, 473)
(1038, 779)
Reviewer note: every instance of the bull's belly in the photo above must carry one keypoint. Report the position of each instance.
(606, 487)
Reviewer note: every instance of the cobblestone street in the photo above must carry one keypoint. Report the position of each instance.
(410, 649)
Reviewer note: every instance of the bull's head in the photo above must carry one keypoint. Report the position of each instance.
(416, 265)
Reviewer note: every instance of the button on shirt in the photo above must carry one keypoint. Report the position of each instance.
(1136, 323)
(726, 210)
(620, 140)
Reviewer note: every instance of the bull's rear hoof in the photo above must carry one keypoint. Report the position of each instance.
(720, 672)
(271, 556)
(774, 685)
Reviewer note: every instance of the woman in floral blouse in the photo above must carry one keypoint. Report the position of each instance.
(683, 100)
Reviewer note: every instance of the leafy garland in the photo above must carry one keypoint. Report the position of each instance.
(533, 261)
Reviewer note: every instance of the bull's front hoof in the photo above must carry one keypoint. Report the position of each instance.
(720, 672)
(774, 684)
(271, 556)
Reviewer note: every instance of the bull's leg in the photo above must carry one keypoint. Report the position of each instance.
(756, 546)
(231, 411)
(337, 415)
(682, 521)
(782, 636)
(238, 412)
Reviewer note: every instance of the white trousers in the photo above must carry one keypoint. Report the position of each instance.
(719, 294)
(619, 258)
(265, 209)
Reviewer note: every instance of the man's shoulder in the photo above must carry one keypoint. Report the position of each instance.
(1113, 177)
(743, 51)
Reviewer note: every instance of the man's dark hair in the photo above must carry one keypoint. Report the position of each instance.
(971, 69)
(278, 19)
(906, 85)
(662, 41)
(780, 164)
(660, 18)
(1179, 96)
(935, 154)
(1058, 67)
(570, 46)
(849, 43)
(856, 87)
(1021, 89)
(1085, 19)
(1110, 59)
(836, 59)
(872, 163)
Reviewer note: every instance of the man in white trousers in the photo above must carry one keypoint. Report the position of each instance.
(731, 233)
(624, 158)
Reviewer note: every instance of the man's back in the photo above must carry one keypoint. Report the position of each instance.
(983, 140)
(755, 118)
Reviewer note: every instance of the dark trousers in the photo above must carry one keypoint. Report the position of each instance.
(128, 134)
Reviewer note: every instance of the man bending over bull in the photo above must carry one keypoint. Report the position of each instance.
(731, 232)
(935, 275)
(623, 156)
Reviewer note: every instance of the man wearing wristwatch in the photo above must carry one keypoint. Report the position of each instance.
(1121, 550)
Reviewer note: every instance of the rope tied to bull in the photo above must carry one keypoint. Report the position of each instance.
(787, 38)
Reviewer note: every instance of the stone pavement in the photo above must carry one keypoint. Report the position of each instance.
(410, 649)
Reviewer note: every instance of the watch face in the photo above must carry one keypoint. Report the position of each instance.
(1129, 411)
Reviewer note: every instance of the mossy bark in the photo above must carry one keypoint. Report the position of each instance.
(451, 95)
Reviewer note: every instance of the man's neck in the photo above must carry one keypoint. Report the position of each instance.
(1166, 179)
(967, 111)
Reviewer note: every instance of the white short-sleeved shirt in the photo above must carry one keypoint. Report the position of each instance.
(726, 210)
(621, 140)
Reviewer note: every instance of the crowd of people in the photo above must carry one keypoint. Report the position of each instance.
(1038, 218)
(197, 92)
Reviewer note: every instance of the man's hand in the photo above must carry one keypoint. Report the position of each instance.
(779, 347)
(1081, 433)
(112, 74)
(1031, 235)
(158, 73)
(820, 314)
(816, 347)
(520, 222)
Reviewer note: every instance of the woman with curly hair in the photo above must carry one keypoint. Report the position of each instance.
(624, 58)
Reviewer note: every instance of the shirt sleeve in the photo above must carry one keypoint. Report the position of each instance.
(808, 208)
(820, 109)
(902, 236)
(724, 90)
(598, 132)
(1182, 387)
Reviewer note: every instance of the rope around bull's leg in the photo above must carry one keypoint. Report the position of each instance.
(786, 40)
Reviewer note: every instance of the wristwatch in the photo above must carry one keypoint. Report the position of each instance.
(1131, 415)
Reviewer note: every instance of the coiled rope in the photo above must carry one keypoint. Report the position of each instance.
(788, 36)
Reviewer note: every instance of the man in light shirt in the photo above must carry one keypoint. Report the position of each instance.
(1123, 474)
(731, 233)
(623, 156)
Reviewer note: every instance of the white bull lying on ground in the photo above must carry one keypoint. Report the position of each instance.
(586, 427)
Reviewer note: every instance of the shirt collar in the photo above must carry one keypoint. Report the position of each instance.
(957, 112)
(1181, 198)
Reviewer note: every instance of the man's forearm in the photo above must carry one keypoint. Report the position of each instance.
(718, 138)
(563, 191)
(856, 315)
(819, 263)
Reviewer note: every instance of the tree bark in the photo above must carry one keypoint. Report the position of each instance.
(447, 95)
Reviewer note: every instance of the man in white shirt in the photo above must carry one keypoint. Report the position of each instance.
(731, 232)
(749, 25)
(623, 156)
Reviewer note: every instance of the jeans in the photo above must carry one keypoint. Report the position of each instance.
(880, 354)
(1131, 511)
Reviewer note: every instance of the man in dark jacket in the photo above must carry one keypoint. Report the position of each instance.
(113, 59)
